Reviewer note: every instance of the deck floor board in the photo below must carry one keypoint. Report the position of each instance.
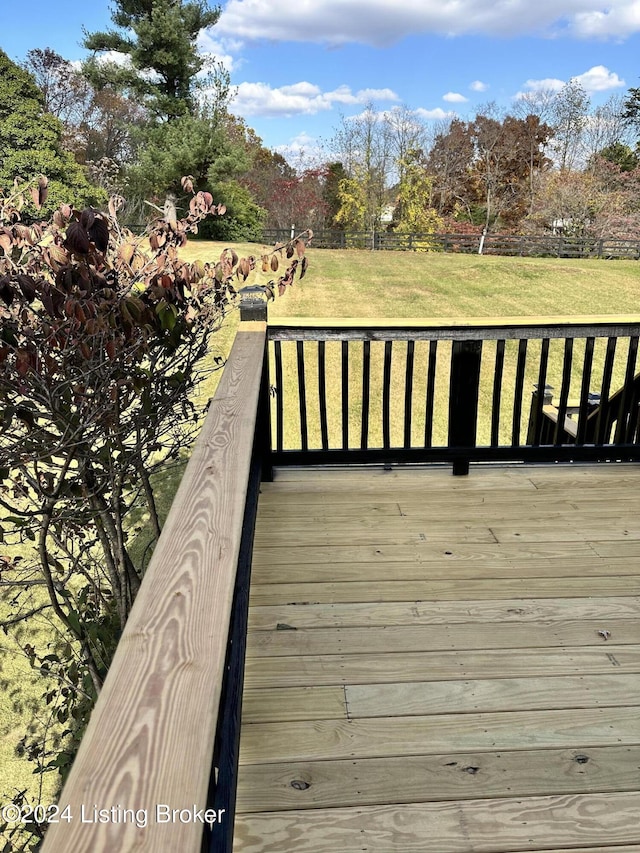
(445, 665)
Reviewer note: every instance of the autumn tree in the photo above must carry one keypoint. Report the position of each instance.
(362, 144)
(449, 163)
(98, 125)
(414, 213)
(569, 119)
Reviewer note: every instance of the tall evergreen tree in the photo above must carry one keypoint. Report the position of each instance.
(159, 39)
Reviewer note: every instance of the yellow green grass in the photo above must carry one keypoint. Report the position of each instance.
(353, 283)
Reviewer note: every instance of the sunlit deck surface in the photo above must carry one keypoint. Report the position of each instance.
(443, 664)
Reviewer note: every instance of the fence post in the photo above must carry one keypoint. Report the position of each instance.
(464, 385)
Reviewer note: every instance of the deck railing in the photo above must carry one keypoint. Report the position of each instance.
(157, 766)
(354, 391)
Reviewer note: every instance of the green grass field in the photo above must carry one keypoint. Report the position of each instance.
(355, 283)
(365, 284)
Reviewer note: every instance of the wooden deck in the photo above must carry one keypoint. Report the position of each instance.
(444, 664)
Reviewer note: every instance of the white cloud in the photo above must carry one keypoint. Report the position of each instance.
(455, 98)
(381, 22)
(438, 113)
(548, 84)
(616, 19)
(478, 86)
(220, 49)
(302, 98)
(596, 79)
(599, 79)
(303, 150)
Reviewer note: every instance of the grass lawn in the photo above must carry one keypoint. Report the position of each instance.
(365, 284)
(353, 283)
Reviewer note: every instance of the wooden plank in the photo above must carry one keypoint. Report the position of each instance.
(435, 551)
(442, 613)
(310, 740)
(432, 697)
(414, 570)
(481, 826)
(501, 694)
(424, 638)
(399, 531)
(293, 703)
(320, 670)
(150, 738)
(434, 590)
(572, 530)
(432, 778)
(295, 512)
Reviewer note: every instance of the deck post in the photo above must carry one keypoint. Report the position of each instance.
(464, 385)
(253, 306)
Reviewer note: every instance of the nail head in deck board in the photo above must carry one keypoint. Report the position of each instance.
(150, 737)
(322, 670)
(430, 778)
(481, 826)
(425, 638)
(443, 612)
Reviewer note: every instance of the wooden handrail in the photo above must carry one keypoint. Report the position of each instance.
(466, 328)
(141, 776)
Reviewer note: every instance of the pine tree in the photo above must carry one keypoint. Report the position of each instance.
(159, 39)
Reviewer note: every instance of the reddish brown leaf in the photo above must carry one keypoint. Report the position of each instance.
(274, 263)
(303, 268)
(77, 240)
(99, 233)
(187, 183)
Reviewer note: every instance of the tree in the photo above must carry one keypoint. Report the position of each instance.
(98, 125)
(362, 145)
(414, 213)
(569, 119)
(449, 163)
(101, 338)
(159, 39)
(32, 141)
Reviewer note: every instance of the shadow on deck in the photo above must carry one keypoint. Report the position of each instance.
(441, 664)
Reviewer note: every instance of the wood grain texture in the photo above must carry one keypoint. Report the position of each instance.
(150, 738)
(297, 671)
(388, 736)
(444, 694)
(471, 635)
(443, 612)
(569, 566)
(430, 778)
(439, 697)
(437, 590)
(474, 826)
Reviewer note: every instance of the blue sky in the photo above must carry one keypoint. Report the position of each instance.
(299, 66)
